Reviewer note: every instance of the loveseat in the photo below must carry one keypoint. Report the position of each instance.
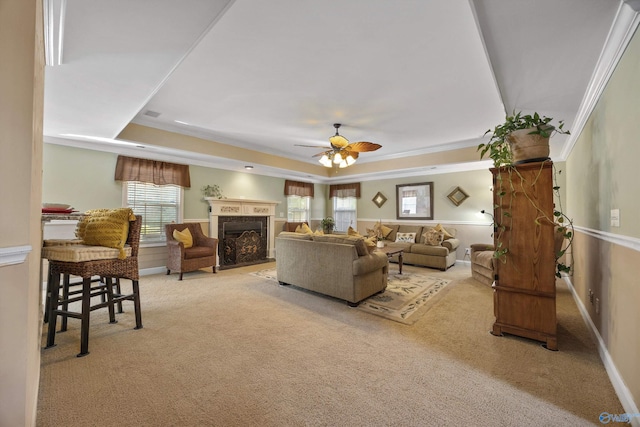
(439, 253)
(338, 266)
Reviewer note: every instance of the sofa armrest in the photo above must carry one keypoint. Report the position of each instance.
(368, 263)
(478, 247)
(451, 244)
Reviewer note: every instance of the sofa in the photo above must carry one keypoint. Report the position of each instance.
(339, 266)
(483, 263)
(440, 254)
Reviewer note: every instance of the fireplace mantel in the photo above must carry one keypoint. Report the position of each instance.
(243, 207)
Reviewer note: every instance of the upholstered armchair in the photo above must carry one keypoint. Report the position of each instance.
(483, 263)
(182, 257)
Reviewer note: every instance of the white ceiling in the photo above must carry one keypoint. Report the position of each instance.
(415, 76)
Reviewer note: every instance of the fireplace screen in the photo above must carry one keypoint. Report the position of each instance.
(243, 240)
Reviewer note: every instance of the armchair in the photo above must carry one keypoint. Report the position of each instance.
(483, 263)
(202, 254)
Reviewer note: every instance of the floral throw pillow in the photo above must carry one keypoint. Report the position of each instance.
(433, 237)
(406, 237)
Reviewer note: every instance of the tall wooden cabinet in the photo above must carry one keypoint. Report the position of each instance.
(525, 286)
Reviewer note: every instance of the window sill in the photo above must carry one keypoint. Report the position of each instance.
(152, 244)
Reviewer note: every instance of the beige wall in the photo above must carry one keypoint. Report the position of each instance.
(21, 106)
(602, 175)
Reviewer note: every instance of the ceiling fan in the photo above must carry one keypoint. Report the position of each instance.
(342, 153)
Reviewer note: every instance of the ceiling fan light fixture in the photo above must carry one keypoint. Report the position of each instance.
(337, 158)
(350, 160)
(325, 161)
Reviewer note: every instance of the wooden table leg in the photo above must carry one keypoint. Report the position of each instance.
(400, 263)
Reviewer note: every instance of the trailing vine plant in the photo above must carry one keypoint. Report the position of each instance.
(499, 150)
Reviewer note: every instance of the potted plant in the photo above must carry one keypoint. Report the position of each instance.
(212, 191)
(521, 139)
(328, 225)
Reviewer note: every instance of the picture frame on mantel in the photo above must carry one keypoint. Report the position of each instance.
(414, 201)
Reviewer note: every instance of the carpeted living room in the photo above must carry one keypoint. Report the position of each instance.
(236, 348)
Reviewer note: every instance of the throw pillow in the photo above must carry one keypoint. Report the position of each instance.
(303, 228)
(447, 235)
(433, 237)
(318, 232)
(371, 243)
(352, 232)
(109, 228)
(183, 237)
(406, 237)
(82, 224)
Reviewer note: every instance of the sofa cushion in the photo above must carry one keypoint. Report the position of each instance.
(403, 228)
(429, 250)
(183, 237)
(405, 237)
(432, 237)
(358, 242)
(81, 253)
(198, 252)
(405, 246)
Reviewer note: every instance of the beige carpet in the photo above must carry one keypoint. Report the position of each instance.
(407, 296)
(236, 350)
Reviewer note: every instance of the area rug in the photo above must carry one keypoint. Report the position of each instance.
(405, 300)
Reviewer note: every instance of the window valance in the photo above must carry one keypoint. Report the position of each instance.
(152, 171)
(296, 188)
(345, 190)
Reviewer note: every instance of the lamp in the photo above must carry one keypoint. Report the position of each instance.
(341, 158)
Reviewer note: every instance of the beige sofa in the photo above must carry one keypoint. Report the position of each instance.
(338, 266)
(440, 256)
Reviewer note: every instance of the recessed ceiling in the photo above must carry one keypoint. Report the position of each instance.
(414, 76)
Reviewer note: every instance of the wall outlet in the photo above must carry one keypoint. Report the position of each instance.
(467, 251)
(590, 296)
(597, 305)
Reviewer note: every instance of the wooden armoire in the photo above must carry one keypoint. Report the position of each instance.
(525, 285)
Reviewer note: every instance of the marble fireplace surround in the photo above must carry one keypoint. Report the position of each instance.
(243, 207)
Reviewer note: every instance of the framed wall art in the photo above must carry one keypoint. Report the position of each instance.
(379, 199)
(414, 201)
(457, 196)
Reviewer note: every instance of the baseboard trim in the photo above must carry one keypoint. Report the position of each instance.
(625, 396)
(153, 270)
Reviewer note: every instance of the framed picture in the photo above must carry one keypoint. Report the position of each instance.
(457, 196)
(379, 199)
(414, 201)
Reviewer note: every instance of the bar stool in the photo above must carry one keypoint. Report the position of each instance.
(85, 267)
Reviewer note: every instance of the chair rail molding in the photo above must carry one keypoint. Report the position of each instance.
(14, 255)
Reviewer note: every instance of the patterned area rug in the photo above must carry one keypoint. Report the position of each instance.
(406, 298)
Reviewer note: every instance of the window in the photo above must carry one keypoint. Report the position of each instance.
(158, 205)
(344, 212)
(298, 208)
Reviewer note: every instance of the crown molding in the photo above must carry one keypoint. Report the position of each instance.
(622, 30)
(14, 255)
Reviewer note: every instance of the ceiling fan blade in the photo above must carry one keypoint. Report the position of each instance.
(323, 153)
(311, 146)
(363, 146)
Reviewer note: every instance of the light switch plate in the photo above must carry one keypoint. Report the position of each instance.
(615, 217)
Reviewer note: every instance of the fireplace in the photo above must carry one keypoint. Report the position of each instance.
(244, 229)
(242, 241)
